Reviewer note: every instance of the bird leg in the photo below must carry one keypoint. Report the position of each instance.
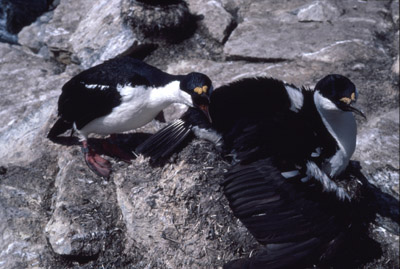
(95, 162)
(111, 148)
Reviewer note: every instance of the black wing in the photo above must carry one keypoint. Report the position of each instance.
(164, 142)
(296, 221)
(173, 136)
(79, 104)
(93, 93)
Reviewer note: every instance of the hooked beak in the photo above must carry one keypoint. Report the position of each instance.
(204, 108)
(355, 110)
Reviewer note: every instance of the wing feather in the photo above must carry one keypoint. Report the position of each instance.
(287, 216)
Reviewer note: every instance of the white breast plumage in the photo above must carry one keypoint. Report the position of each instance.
(139, 105)
(342, 126)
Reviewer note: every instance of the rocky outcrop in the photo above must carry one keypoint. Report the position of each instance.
(14, 15)
(54, 212)
(26, 103)
(217, 20)
(312, 30)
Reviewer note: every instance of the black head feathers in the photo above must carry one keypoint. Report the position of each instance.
(340, 91)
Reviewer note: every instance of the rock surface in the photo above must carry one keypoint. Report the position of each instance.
(294, 29)
(215, 18)
(14, 15)
(54, 212)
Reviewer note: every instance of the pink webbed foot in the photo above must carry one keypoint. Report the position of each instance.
(112, 149)
(95, 162)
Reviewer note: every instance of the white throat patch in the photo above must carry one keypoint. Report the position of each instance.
(342, 126)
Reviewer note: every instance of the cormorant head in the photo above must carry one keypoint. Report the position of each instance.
(340, 91)
(199, 87)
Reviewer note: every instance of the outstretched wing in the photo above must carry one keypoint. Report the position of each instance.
(164, 142)
(173, 136)
(295, 221)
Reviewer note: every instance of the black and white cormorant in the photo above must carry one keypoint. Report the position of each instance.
(287, 147)
(120, 95)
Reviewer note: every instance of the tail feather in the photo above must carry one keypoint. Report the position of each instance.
(58, 128)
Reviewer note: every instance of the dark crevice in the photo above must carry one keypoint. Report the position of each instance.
(140, 52)
(81, 259)
(256, 59)
(3, 170)
(231, 27)
(160, 2)
(234, 23)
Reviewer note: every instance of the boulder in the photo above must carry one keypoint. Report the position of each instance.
(274, 33)
(84, 211)
(81, 32)
(102, 34)
(33, 36)
(215, 18)
(24, 211)
(319, 11)
(26, 104)
(52, 31)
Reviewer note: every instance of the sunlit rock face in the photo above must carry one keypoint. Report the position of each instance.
(54, 212)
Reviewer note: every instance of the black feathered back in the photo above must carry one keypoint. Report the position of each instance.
(94, 93)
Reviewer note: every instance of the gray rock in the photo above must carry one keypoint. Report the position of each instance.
(395, 66)
(378, 152)
(378, 145)
(394, 8)
(319, 11)
(27, 104)
(81, 32)
(226, 72)
(233, 6)
(84, 211)
(24, 208)
(102, 35)
(64, 23)
(339, 51)
(54, 35)
(274, 33)
(216, 19)
(33, 36)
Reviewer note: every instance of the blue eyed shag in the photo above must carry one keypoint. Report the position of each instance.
(288, 147)
(120, 95)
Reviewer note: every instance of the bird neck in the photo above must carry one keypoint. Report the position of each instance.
(342, 127)
(170, 93)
